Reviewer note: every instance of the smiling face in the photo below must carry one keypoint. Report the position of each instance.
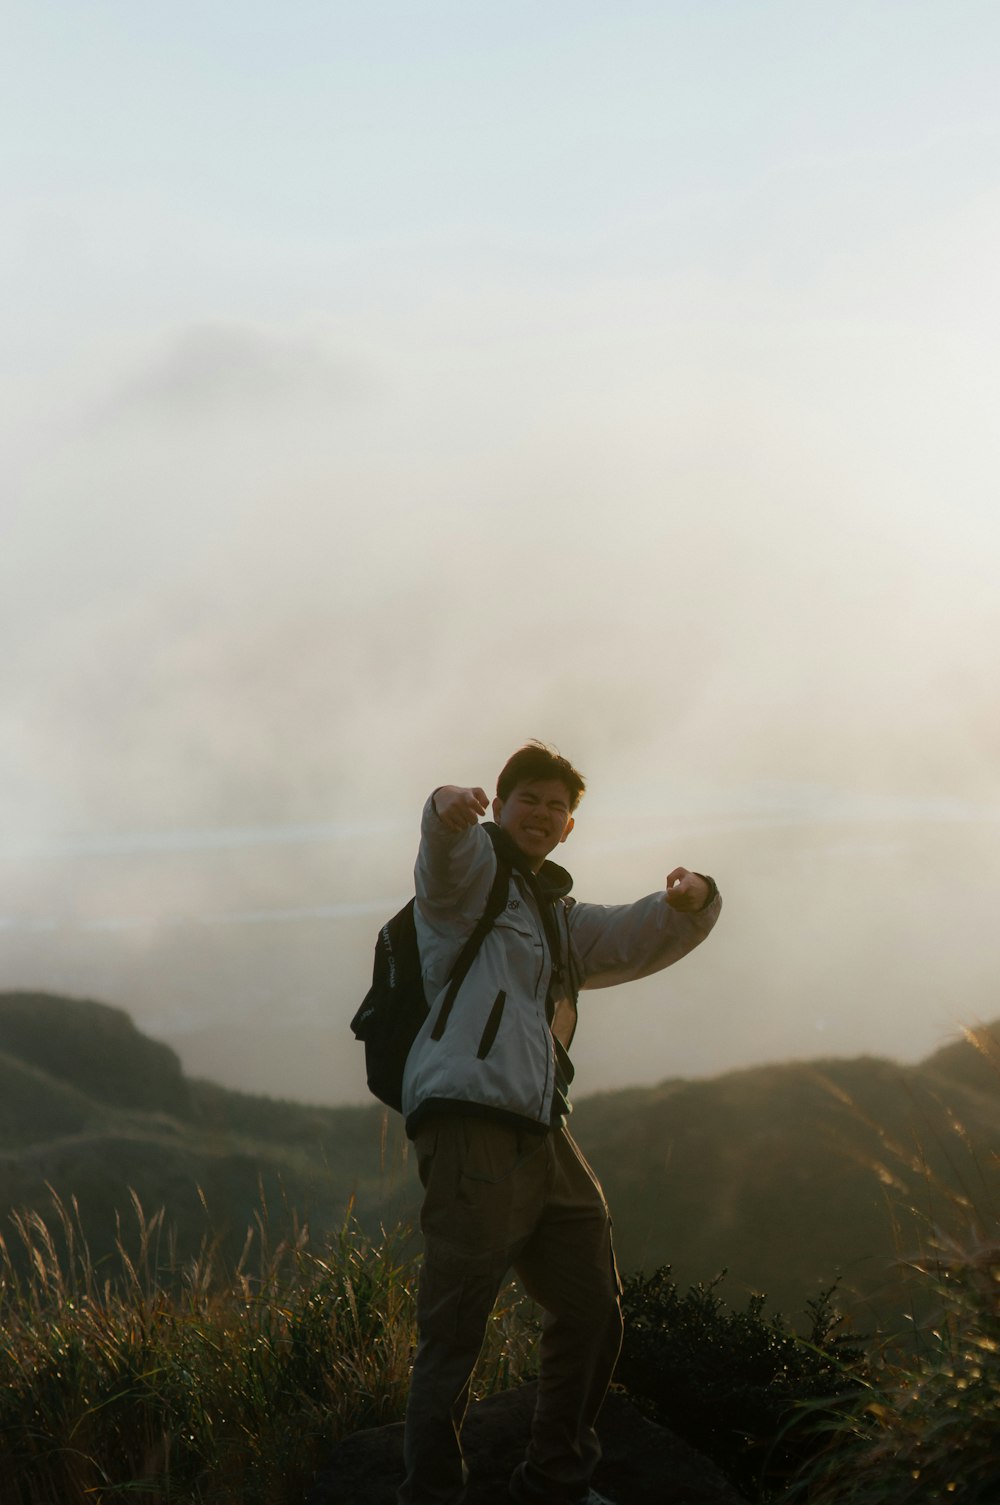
(536, 816)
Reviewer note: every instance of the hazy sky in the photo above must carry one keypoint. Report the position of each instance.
(385, 384)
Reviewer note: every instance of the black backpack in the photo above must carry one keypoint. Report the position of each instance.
(395, 1005)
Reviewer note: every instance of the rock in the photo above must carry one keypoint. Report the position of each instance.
(643, 1464)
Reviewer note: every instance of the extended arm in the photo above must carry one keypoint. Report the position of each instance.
(455, 863)
(616, 943)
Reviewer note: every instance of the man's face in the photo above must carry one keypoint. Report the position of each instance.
(536, 816)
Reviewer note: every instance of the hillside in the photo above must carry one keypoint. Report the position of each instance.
(787, 1175)
(91, 1107)
(790, 1176)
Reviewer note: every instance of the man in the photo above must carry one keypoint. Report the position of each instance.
(485, 1096)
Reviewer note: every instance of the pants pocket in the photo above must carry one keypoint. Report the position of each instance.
(485, 1184)
(457, 1292)
(425, 1144)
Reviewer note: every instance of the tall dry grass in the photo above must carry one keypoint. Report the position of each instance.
(926, 1428)
(151, 1381)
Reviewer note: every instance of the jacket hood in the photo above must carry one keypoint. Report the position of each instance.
(551, 880)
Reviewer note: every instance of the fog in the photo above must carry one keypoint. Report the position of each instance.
(424, 384)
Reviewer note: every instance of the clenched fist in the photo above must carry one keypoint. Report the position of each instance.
(686, 891)
(459, 808)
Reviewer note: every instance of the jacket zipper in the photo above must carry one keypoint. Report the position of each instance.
(543, 1012)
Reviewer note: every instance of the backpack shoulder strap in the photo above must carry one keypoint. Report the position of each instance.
(495, 905)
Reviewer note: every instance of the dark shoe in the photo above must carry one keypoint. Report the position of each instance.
(524, 1492)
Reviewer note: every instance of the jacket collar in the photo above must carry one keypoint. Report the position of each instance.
(550, 882)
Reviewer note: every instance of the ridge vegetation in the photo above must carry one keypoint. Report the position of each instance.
(789, 1176)
(161, 1370)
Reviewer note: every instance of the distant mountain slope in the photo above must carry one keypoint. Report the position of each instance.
(785, 1175)
(95, 1047)
(90, 1107)
(973, 1061)
(35, 1106)
(791, 1175)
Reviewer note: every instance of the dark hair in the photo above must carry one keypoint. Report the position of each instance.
(537, 761)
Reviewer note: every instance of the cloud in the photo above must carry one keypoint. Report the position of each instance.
(222, 368)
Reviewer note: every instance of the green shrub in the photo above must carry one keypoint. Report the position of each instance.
(732, 1383)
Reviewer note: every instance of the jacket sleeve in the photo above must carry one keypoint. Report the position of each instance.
(454, 871)
(615, 943)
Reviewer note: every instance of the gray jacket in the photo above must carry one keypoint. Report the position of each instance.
(496, 1052)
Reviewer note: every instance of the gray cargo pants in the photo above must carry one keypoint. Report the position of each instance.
(498, 1198)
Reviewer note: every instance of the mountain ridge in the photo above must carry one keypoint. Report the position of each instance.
(789, 1175)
